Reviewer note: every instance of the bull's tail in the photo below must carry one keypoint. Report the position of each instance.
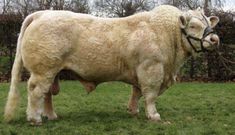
(14, 95)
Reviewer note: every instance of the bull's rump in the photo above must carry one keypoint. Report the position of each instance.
(88, 45)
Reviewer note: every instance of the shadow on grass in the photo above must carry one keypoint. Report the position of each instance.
(83, 118)
(87, 117)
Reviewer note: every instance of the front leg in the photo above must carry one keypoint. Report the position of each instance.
(150, 76)
(133, 101)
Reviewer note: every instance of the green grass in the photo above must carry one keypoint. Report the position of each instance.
(191, 108)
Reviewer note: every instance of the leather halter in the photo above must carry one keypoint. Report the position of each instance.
(208, 30)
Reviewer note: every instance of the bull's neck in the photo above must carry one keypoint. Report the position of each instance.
(183, 51)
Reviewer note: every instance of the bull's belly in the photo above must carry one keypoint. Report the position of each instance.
(99, 73)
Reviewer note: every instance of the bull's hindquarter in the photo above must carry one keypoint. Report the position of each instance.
(133, 50)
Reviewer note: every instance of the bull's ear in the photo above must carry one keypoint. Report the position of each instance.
(200, 10)
(182, 21)
(214, 20)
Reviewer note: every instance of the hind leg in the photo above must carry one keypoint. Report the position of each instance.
(37, 87)
(48, 100)
(48, 107)
(133, 101)
(55, 88)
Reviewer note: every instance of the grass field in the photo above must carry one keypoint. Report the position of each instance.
(191, 109)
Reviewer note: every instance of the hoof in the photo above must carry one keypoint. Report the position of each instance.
(35, 122)
(155, 118)
(7, 118)
(166, 123)
(133, 112)
(51, 116)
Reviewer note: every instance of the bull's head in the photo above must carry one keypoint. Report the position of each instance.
(198, 30)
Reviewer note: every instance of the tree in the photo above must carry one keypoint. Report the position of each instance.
(193, 4)
(123, 8)
(5, 6)
(182, 4)
(80, 6)
(25, 7)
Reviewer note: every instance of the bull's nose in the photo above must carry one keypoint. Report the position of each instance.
(214, 39)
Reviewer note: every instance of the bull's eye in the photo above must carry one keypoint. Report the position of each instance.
(192, 27)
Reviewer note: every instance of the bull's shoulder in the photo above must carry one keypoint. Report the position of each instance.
(142, 44)
(142, 35)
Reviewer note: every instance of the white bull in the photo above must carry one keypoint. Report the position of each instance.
(144, 50)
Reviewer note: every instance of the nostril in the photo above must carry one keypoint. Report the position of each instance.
(214, 40)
